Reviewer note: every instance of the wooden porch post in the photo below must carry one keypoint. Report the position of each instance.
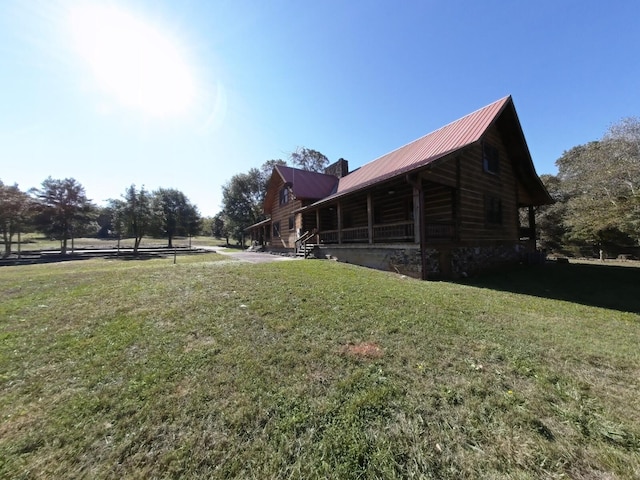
(418, 190)
(339, 214)
(457, 222)
(317, 226)
(417, 218)
(532, 228)
(370, 217)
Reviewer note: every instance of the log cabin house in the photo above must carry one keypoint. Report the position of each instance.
(449, 204)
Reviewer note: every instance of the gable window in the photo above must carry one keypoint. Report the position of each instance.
(276, 229)
(284, 195)
(292, 222)
(490, 158)
(493, 210)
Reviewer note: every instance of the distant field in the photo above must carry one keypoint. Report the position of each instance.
(38, 242)
(315, 369)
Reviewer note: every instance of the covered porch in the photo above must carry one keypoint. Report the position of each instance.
(389, 213)
(260, 233)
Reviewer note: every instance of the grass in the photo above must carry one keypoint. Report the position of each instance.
(36, 241)
(314, 369)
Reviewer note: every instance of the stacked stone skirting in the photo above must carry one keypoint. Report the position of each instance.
(444, 262)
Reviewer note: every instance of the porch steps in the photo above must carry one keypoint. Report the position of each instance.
(305, 250)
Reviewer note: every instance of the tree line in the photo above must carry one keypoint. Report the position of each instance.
(60, 209)
(597, 195)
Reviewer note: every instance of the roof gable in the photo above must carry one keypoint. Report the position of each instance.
(305, 185)
(425, 150)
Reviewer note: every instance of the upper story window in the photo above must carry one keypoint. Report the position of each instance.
(284, 195)
(490, 158)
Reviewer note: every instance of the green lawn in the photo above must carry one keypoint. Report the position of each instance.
(315, 369)
(35, 241)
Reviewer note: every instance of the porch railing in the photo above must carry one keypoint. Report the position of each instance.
(399, 232)
(403, 231)
(357, 234)
(328, 236)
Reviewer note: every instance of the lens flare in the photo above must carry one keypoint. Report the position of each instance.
(136, 63)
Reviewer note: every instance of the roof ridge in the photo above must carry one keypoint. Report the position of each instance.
(475, 112)
(428, 148)
(305, 171)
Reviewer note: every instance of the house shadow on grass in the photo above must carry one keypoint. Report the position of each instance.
(597, 285)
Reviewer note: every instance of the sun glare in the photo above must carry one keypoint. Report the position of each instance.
(139, 65)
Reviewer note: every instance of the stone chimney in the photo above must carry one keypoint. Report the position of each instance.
(338, 169)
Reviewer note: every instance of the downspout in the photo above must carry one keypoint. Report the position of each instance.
(416, 182)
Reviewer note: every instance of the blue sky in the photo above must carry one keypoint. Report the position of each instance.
(185, 94)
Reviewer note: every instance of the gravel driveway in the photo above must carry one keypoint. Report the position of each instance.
(251, 257)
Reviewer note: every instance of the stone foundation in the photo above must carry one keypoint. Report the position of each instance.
(403, 259)
(468, 261)
(441, 262)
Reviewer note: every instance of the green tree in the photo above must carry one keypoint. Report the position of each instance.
(63, 209)
(15, 209)
(104, 218)
(266, 170)
(219, 228)
(206, 226)
(242, 199)
(133, 214)
(176, 214)
(550, 218)
(624, 138)
(309, 159)
(598, 189)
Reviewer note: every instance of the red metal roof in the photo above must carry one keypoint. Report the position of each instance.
(424, 150)
(308, 185)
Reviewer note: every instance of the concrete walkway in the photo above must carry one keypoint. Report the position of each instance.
(250, 257)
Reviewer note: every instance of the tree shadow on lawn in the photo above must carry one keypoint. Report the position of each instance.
(605, 286)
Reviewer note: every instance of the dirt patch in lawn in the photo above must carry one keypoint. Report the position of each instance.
(366, 350)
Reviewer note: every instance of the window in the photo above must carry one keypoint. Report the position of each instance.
(493, 210)
(276, 229)
(292, 222)
(490, 158)
(284, 195)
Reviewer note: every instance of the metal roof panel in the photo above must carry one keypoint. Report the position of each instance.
(424, 150)
(308, 185)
